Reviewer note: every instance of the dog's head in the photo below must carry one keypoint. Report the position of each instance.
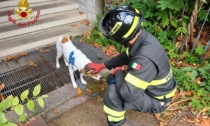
(90, 74)
(64, 40)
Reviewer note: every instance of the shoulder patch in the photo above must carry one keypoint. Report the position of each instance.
(64, 40)
(135, 66)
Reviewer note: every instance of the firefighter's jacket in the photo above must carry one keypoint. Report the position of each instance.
(148, 70)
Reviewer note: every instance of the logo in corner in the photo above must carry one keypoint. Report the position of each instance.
(23, 11)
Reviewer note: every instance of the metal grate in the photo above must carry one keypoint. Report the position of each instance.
(18, 75)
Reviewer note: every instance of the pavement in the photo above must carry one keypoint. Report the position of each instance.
(88, 113)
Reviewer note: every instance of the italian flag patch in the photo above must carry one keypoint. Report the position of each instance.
(135, 66)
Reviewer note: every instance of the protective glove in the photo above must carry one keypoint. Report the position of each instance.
(94, 66)
(110, 78)
(115, 70)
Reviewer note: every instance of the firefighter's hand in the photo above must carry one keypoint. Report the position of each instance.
(95, 67)
(110, 79)
(115, 70)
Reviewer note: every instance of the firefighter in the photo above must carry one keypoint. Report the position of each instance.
(148, 84)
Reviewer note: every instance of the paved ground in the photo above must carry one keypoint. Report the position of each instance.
(90, 113)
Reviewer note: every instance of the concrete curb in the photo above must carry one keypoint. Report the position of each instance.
(56, 99)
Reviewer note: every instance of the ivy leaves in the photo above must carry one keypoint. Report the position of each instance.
(171, 4)
(14, 103)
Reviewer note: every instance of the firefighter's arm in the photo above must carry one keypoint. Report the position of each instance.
(132, 85)
(119, 60)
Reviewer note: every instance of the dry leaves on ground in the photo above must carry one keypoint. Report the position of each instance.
(110, 51)
(49, 45)
(74, 25)
(175, 114)
(79, 90)
(1, 97)
(31, 63)
(55, 111)
(81, 12)
(46, 50)
(2, 86)
(23, 54)
(8, 58)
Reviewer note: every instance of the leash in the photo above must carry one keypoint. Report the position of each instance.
(71, 62)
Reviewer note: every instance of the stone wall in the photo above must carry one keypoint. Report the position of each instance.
(91, 8)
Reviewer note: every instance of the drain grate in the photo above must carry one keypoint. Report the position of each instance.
(20, 74)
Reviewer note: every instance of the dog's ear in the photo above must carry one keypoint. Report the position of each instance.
(82, 71)
(64, 40)
(71, 37)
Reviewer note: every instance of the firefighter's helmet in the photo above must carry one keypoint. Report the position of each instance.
(121, 24)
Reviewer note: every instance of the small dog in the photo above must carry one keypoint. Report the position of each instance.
(74, 59)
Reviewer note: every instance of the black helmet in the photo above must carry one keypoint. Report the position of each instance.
(121, 24)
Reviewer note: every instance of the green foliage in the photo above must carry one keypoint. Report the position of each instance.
(24, 95)
(14, 104)
(186, 79)
(30, 105)
(97, 37)
(199, 50)
(190, 58)
(40, 102)
(7, 103)
(36, 90)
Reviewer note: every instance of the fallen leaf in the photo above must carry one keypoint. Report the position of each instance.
(40, 50)
(205, 122)
(197, 120)
(49, 45)
(23, 54)
(198, 80)
(2, 86)
(189, 93)
(88, 90)
(81, 12)
(73, 25)
(197, 124)
(190, 121)
(31, 63)
(55, 111)
(10, 57)
(47, 50)
(79, 90)
(86, 22)
(1, 97)
(180, 38)
(157, 116)
(161, 124)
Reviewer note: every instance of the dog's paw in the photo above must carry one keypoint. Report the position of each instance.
(58, 66)
(83, 82)
(66, 63)
(75, 85)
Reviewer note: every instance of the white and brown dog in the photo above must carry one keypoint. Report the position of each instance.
(66, 48)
